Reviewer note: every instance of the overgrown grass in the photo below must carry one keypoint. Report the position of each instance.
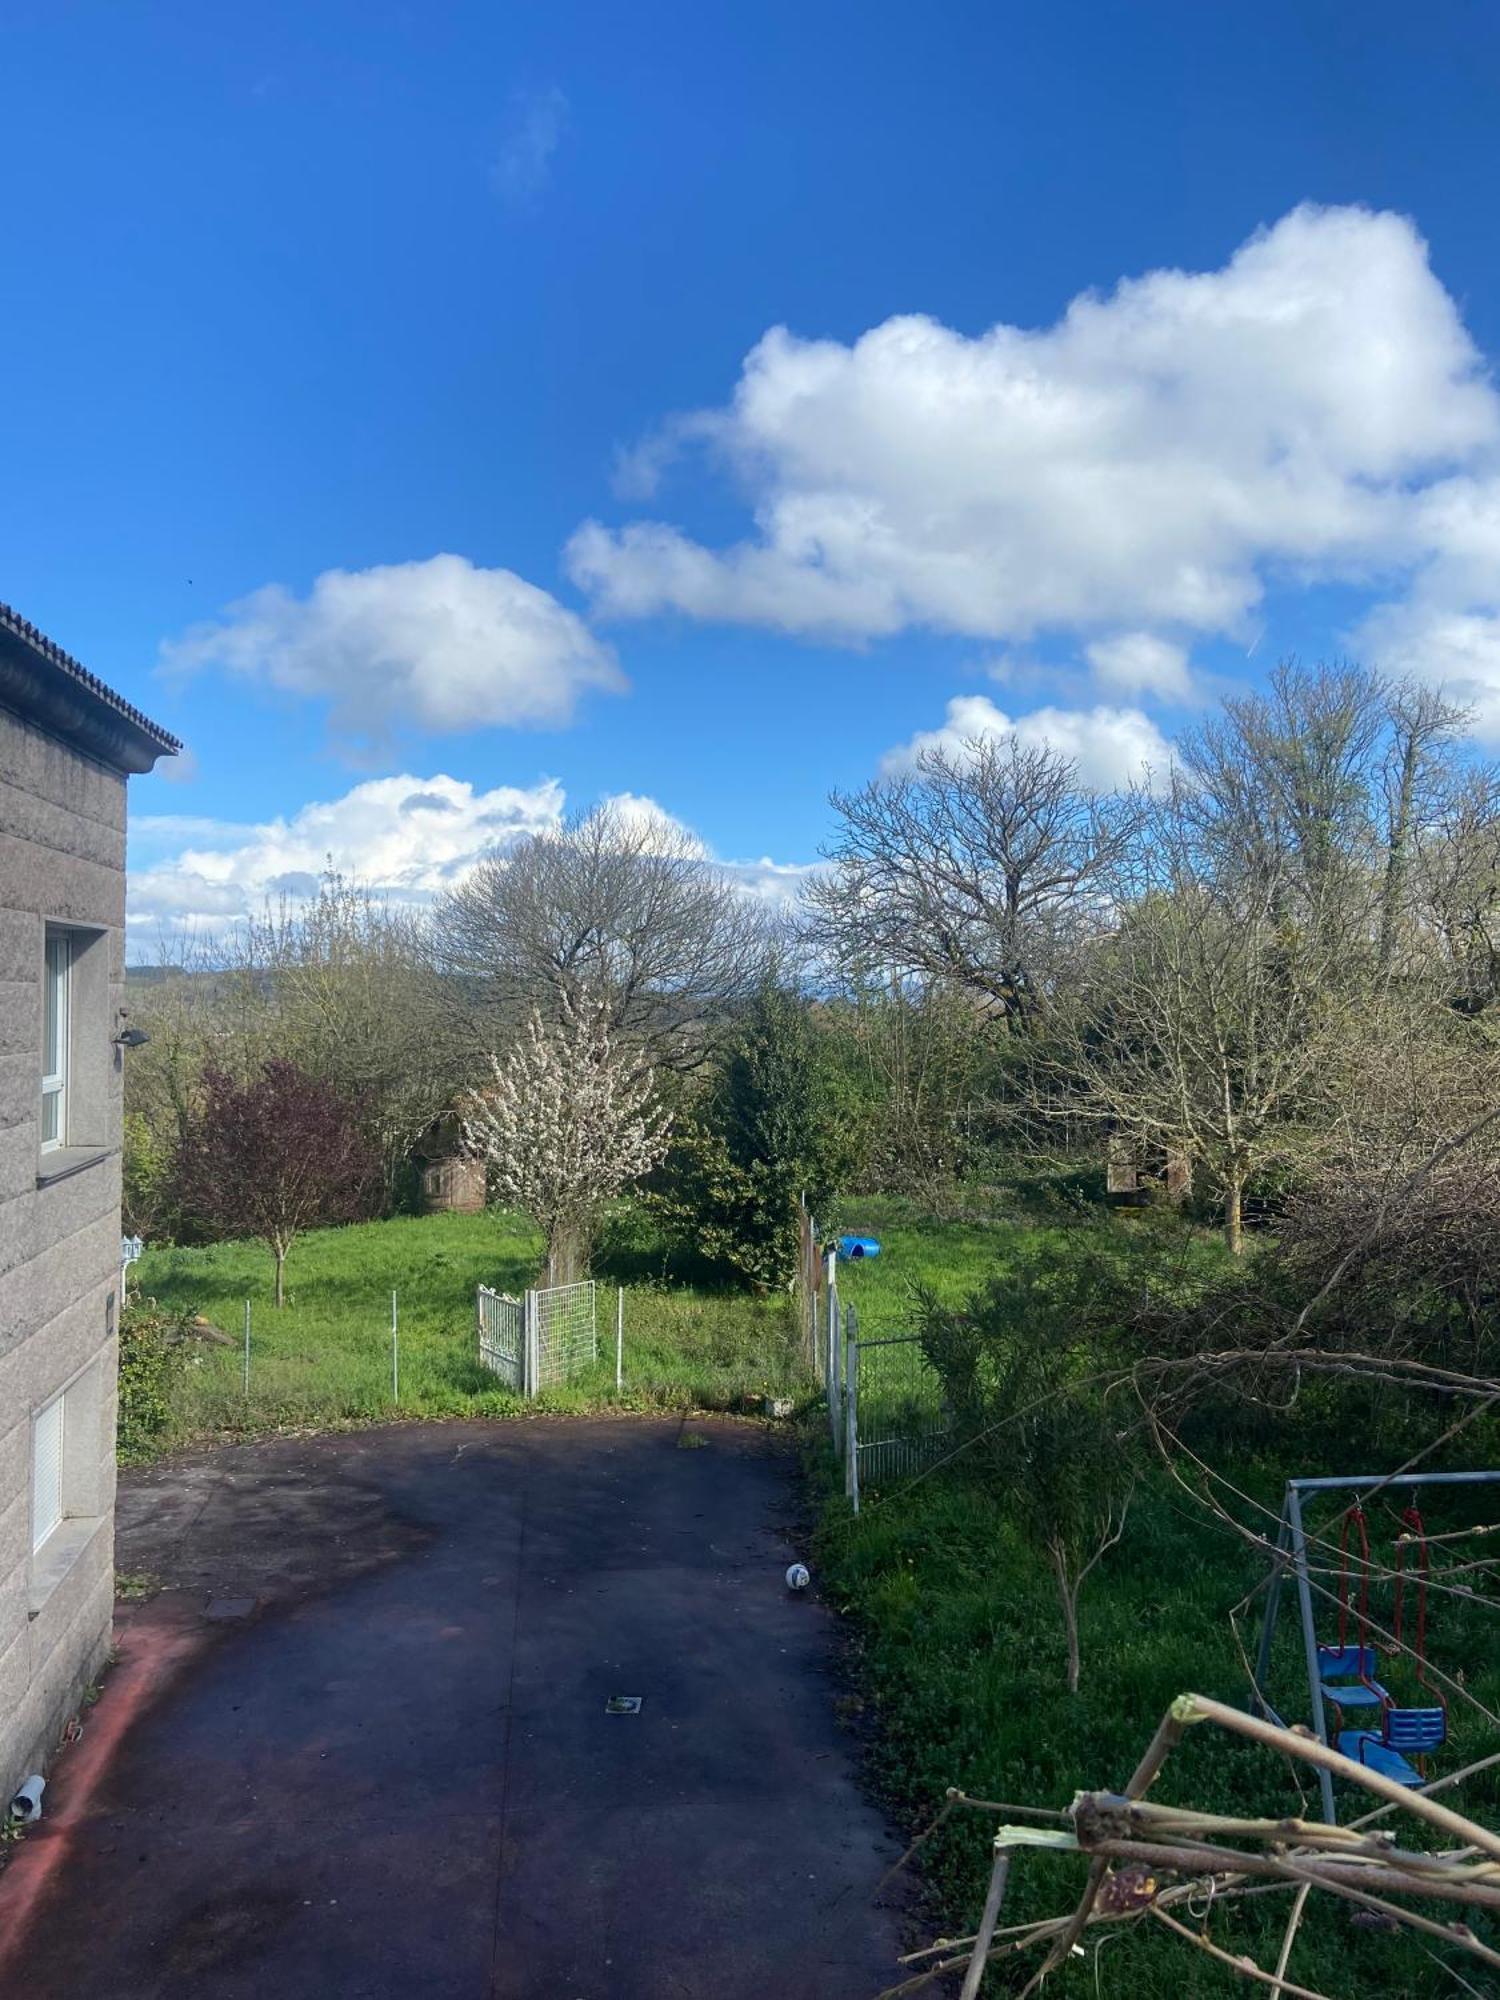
(960, 1650)
(325, 1358)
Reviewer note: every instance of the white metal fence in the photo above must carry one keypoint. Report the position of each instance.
(502, 1337)
(542, 1341)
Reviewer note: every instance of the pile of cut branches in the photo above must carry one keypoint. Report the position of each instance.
(1150, 1863)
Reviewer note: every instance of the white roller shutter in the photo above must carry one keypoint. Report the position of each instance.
(46, 1472)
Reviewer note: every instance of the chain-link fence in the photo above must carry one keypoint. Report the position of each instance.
(548, 1339)
(885, 1403)
(564, 1333)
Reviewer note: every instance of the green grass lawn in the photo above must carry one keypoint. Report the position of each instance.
(325, 1358)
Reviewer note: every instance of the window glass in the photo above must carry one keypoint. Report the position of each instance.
(46, 1472)
(55, 1038)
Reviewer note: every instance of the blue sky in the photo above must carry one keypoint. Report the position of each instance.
(330, 291)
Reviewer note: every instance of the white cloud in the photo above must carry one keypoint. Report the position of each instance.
(1447, 629)
(775, 883)
(1112, 747)
(1152, 462)
(183, 769)
(638, 813)
(1140, 663)
(1458, 649)
(535, 125)
(406, 838)
(440, 644)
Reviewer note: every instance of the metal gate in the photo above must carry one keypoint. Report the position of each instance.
(885, 1404)
(549, 1339)
(502, 1337)
(564, 1333)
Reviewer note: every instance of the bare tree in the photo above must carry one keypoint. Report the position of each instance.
(1027, 1414)
(1210, 1024)
(983, 866)
(567, 1122)
(1456, 889)
(342, 985)
(1282, 795)
(1422, 723)
(622, 910)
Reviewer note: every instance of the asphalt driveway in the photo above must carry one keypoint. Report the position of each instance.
(360, 1746)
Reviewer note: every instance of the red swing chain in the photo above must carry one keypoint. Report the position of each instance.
(1353, 1519)
(1414, 1531)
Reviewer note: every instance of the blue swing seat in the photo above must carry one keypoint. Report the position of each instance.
(1336, 1661)
(1366, 1748)
(1406, 1729)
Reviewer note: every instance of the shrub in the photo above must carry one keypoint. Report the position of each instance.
(154, 1350)
(146, 1189)
(774, 1122)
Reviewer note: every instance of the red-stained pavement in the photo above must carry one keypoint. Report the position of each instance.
(395, 1775)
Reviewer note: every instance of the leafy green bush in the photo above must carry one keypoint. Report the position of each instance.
(775, 1121)
(146, 1193)
(155, 1344)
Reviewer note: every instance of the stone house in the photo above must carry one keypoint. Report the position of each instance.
(67, 746)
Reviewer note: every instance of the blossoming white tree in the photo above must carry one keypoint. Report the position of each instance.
(569, 1120)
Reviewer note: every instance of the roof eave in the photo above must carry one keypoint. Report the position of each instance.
(47, 687)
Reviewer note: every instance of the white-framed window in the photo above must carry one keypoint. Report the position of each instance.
(56, 1037)
(47, 1470)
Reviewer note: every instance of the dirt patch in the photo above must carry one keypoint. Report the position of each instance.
(228, 1930)
(268, 1522)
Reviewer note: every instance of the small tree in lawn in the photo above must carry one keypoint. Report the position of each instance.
(1018, 1376)
(569, 1121)
(272, 1158)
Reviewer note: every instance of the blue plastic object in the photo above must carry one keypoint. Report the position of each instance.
(1334, 1662)
(1416, 1729)
(859, 1246)
(1366, 1748)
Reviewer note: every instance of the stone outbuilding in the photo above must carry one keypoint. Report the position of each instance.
(67, 746)
(453, 1177)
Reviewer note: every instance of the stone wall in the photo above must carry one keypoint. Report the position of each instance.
(62, 860)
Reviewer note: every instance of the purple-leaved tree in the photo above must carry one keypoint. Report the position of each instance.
(271, 1158)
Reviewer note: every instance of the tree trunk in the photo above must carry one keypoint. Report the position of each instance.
(279, 1250)
(1067, 1597)
(1396, 852)
(568, 1254)
(1234, 1227)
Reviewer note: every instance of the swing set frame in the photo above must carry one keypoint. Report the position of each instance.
(1291, 1555)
